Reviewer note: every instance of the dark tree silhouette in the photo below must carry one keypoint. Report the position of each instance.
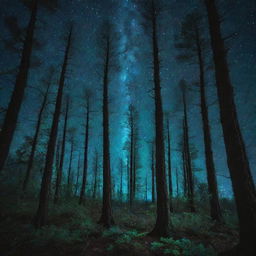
(169, 164)
(11, 116)
(177, 182)
(151, 12)
(86, 142)
(121, 167)
(70, 174)
(37, 130)
(95, 172)
(62, 156)
(131, 121)
(162, 226)
(153, 175)
(187, 157)
(42, 211)
(192, 45)
(57, 158)
(185, 179)
(134, 168)
(128, 176)
(146, 188)
(77, 174)
(242, 181)
(106, 218)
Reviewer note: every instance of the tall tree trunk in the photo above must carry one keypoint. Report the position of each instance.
(121, 180)
(77, 174)
(11, 117)
(62, 156)
(146, 189)
(57, 159)
(86, 142)
(106, 218)
(95, 176)
(169, 166)
(185, 175)
(162, 226)
(131, 160)
(134, 171)
(69, 181)
(128, 178)
(42, 212)
(153, 175)
(210, 168)
(70, 162)
(242, 182)
(189, 172)
(35, 138)
(177, 182)
(113, 188)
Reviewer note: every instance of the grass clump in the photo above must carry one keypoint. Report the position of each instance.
(128, 243)
(181, 247)
(56, 235)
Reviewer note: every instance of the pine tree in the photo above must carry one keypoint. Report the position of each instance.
(62, 156)
(240, 173)
(42, 211)
(192, 46)
(106, 218)
(37, 130)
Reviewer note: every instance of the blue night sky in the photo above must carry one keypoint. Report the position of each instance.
(131, 78)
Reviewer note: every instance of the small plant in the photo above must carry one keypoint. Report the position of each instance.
(182, 247)
(172, 252)
(156, 245)
(128, 236)
(126, 242)
(110, 247)
(113, 231)
(56, 235)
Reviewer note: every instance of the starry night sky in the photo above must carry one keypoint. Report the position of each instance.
(131, 79)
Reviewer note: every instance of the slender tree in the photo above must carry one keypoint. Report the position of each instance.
(131, 121)
(162, 226)
(77, 173)
(95, 170)
(185, 179)
(128, 177)
(57, 159)
(86, 142)
(146, 188)
(134, 168)
(69, 178)
(192, 45)
(37, 130)
(187, 157)
(177, 182)
(11, 117)
(106, 218)
(153, 175)
(240, 173)
(169, 164)
(121, 179)
(42, 211)
(62, 156)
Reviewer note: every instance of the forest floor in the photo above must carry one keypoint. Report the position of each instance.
(72, 230)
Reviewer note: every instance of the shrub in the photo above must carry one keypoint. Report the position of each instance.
(193, 222)
(182, 247)
(127, 245)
